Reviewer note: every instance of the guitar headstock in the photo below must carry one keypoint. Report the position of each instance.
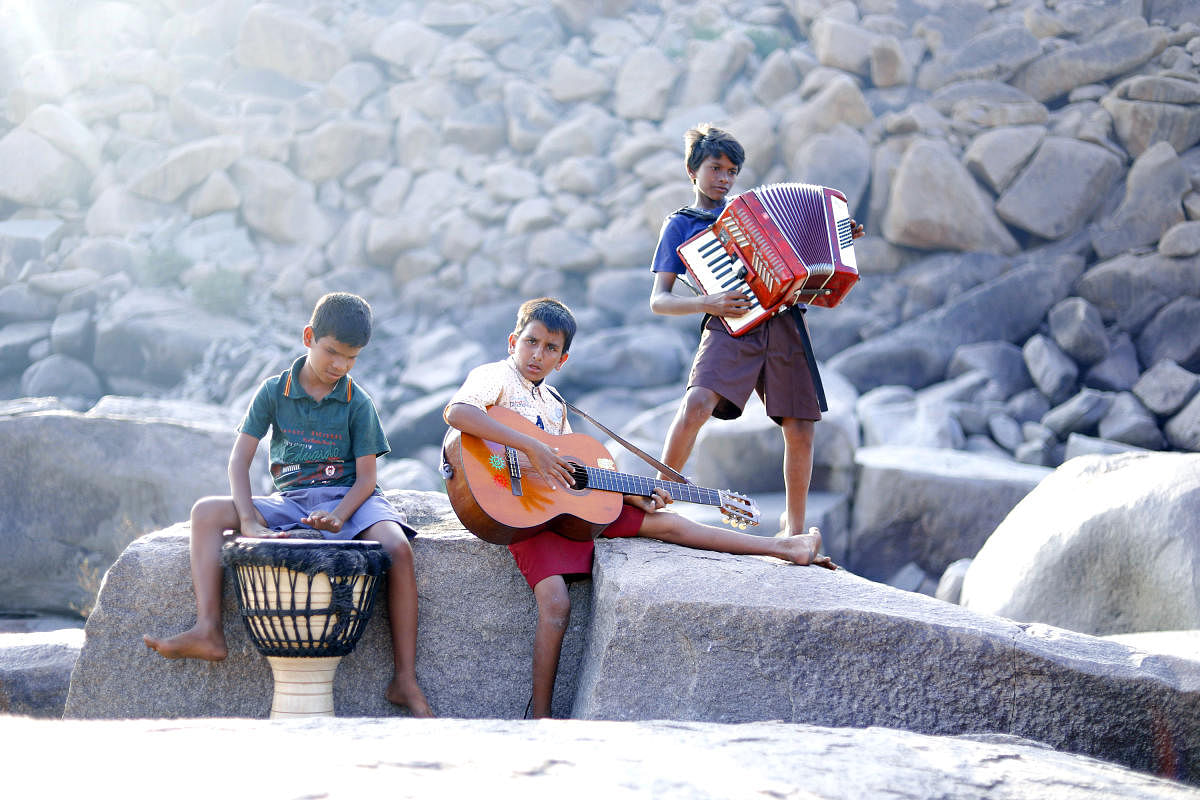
(738, 510)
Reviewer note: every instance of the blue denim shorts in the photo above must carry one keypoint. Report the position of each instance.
(284, 510)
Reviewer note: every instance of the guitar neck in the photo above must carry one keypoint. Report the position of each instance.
(609, 481)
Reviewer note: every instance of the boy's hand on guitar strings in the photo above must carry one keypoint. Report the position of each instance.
(553, 468)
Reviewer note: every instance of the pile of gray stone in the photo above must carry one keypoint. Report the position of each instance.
(184, 179)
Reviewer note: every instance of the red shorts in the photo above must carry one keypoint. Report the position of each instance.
(547, 553)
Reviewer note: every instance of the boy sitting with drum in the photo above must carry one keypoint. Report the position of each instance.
(325, 439)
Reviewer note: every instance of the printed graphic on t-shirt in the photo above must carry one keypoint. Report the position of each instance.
(310, 458)
(304, 476)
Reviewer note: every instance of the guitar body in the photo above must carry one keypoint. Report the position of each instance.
(481, 487)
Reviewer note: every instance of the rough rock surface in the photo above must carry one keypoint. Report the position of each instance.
(1104, 545)
(729, 639)
(82, 486)
(473, 653)
(667, 633)
(928, 506)
(410, 758)
(35, 671)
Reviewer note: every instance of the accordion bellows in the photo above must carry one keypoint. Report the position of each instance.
(782, 244)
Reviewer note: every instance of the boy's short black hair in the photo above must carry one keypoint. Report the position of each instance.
(344, 316)
(705, 140)
(550, 312)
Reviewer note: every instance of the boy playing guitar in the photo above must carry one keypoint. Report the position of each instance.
(538, 346)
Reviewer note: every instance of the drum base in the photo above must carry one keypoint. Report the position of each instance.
(303, 686)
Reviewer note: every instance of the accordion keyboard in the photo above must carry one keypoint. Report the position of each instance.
(710, 264)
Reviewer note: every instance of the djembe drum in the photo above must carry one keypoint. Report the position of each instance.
(305, 603)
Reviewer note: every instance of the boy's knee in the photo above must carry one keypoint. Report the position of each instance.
(391, 537)
(210, 512)
(698, 407)
(799, 431)
(554, 607)
(664, 527)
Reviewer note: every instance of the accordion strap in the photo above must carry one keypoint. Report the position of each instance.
(633, 448)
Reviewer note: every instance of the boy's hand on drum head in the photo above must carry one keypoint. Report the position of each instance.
(323, 521)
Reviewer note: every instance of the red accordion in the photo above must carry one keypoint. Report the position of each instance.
(781, 244)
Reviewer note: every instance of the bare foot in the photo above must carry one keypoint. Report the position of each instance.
(802, 549)
(405, 692)
(192, 643)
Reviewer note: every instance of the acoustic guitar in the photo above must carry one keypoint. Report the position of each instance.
(501, 499)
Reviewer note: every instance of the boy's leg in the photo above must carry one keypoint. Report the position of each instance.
(554, 612)
(210, 518)
(797, 470)
(677, 529)
(695, 410)
(402, 608)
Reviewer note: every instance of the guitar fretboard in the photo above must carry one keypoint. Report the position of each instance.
(609, 481)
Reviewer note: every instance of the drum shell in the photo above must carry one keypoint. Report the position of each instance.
(305, 598)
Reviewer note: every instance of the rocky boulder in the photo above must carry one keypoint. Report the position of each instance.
(918, 352)
(35, 671)
(1104, 545)
(82, 486)
(664, 632)
(475, 638)
(929, 506)
(682, 635)
(151, 338)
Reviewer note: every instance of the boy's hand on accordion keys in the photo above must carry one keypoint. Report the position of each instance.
(727, 304)
(856, 229)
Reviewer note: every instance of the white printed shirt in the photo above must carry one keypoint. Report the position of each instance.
(500, 383)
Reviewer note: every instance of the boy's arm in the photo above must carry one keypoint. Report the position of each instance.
(470, 419)
(365, 479)
(252, 523)
(663, 301)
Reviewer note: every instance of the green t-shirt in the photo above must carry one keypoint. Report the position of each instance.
(314, 444)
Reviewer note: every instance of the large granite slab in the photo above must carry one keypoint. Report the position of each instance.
(410, 758)
(474, 645)
(667, 633)
(703, 636)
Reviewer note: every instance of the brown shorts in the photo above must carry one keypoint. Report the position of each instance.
(769, 360)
